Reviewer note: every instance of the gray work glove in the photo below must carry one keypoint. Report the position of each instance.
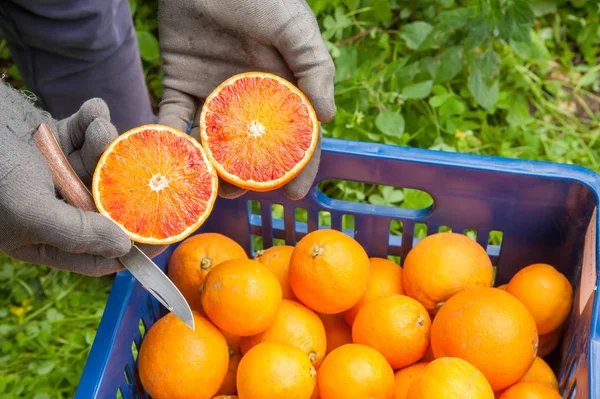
(35, 225)
(204, 42)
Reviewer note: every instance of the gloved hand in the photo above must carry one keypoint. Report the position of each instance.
(36, 226)
(204, 42)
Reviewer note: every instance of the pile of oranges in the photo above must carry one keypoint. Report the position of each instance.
(323, 320)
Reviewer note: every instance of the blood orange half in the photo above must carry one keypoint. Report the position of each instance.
(156, 183)
(259, 130)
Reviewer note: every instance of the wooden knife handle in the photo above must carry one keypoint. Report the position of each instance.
(66, 181)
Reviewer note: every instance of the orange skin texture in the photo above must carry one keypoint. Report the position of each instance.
(241, 297)
(490, 329)
(545, 292)
(355, 371)
(297, 325)
(549, 342)
(275, 370)
(225, 397)
(530, 390)
(277, 259)
(385, 279)
(329, 271)
(195, 257)
(406, 376)
(442, 265)
(542, 373)
(397, 326)
(178, 363)
(450, 378)
(337, 331)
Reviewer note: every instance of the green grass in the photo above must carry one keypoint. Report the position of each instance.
(510, 78)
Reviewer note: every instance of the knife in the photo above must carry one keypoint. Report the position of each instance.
(72, 189)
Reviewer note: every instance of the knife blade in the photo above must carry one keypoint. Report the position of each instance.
(72, 189)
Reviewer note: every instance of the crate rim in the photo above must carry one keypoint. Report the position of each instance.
(124, 283)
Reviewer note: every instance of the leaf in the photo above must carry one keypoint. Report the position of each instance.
(54, 315)
(518, 110)
(439, 99)
(543, 7)
(346, 64)
(318, 6)
(334, 26)
(416, 199)
(483, 80)
(393, 196)
(430, 66)
(45, 368)
(452, 106)
(478, 31)
(382, 10)
(521, 12)
(486, 95)
(148, 45)
(133, 7)
(351, 4)
(406, 74)
(390, 123)
(454, 19)
(418, 90)
(450, 64)
(376, 199)
(41, 395)
(415, 33)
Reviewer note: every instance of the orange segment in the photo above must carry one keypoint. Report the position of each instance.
(259, 130)
(156, 183)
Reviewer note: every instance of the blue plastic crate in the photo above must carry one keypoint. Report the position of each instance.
(545, 211)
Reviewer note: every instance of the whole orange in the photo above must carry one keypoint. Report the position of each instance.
(450, 378)
(405, 377)
(277, 259)
(545, 292)
(490, 329)
(385, 279)
(178, 362)
(530, 390)
(241, 297)
(355, 371)
(337, 331)
(442, 265)
(297, 325)
(549, 342)
(542, 373)
(329, 271)
(194, 257)
(397, 326)
(275, 370)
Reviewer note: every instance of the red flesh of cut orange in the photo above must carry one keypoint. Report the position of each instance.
(259, 130)
(156, 183)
